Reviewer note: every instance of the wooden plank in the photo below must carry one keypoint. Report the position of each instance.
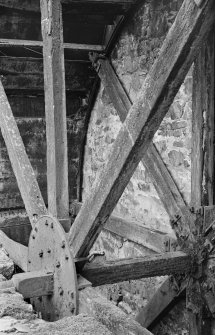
(22, 168)
(166, 294)
(34, 5)
(34, 284)
(109, 272)
(35, 82)
(202, 167)
(31, 284)
(16, 251)
(148, 238)
(202, 163)
(119, 323)
(21, 73)
(6, 42)
(55, 109)
(134, 232)
(160, 87)
(165, 185)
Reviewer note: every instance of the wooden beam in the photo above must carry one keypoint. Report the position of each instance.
(165, 185)
(203, 123)
(55, 109)
(31, 284)
(35, 82)
(134, 232)
(115, 271)
(22, 168)
(202, 162)
(165, 295)
(119, 323)
(160, 87)
(16, 251)
(34, 284)
(6, 42)
(34, 5)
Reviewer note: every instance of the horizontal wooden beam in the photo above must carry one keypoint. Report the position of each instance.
(31, 284)
(134, 232)
(34, 284)
(35, 82)
(163, 81)
(5, 42)
(16, 251)
(34, 5)
(93, 303)
(110, 272)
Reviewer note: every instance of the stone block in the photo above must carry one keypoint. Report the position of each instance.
(176, 158)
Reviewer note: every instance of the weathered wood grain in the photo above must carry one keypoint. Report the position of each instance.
(22, 168)
(165, 185)
(202, 167)
(34, 284)
(160, 87)
(145, 236)
(202, 162)
(31, 284)
(115, 271)
(17, 252)
(119, 323)
(34, 5)
(21, 73)
(9, 42)
(163, 297)
(55, 108)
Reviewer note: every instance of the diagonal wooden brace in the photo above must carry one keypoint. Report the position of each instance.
(160, 87)
(22, 168)
(165, 185)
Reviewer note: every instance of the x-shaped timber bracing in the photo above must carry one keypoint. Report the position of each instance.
(182, 43)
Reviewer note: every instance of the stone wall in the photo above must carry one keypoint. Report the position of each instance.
(136, 49)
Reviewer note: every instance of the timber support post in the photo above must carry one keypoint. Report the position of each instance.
(55, 109)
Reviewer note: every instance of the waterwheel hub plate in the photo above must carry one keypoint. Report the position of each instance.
(48, 250)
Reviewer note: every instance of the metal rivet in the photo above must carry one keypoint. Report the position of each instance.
(58, 264)
(33, 237)
(66, 258)
(29, 262)
(63, 244)
(49, 251)
(46, 223)
(72, 308)
(52, 225)
(41, 253)
(61, 291)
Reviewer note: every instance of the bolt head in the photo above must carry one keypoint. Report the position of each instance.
(58, 264)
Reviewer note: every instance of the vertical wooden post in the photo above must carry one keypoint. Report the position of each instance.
(55, 107)
(203, 172)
